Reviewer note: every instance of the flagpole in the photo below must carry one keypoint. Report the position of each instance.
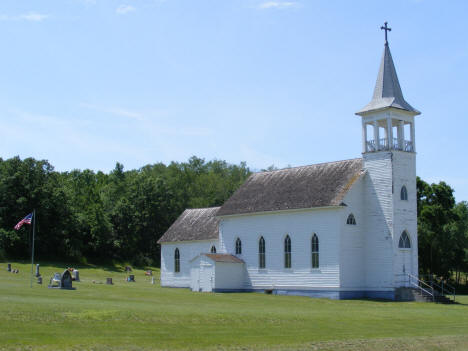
(32, 249)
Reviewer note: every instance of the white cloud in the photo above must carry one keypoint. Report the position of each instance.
(33, 16)
(124, 9)
(277, 4)
(115, 111)
(30, 16)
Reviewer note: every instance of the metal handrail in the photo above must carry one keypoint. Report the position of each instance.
(419, 281)
(443, 290)
(422, 289)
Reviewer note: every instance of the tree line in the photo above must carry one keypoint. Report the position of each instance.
(84, 215)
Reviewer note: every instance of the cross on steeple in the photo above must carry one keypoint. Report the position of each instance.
(386, 29)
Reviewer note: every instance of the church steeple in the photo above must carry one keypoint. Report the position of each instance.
(388, 110)
(387, 91)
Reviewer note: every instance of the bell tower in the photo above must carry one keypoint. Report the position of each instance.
(389, 158)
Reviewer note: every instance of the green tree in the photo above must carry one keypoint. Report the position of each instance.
(436, 218)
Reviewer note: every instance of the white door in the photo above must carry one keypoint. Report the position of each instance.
(405, 266)
(206, 278)
(195, 278)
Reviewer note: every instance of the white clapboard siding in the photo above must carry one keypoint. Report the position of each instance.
(379, 209)
(229, 276)
(352, 251)
(300, 225)
(188, 250)
(405, 212)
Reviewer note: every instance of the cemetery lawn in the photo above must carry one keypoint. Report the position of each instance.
(141, 316)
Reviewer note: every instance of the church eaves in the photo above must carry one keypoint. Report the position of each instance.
(387, 92)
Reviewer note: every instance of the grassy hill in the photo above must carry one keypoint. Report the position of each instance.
(141, 316)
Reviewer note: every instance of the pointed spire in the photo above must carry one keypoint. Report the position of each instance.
(387, 91)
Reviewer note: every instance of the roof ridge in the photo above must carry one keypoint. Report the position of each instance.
(313, 164)
(202, 208)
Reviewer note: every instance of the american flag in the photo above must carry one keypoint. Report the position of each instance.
(26, 220)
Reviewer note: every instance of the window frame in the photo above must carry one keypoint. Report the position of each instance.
(176, 260)
(315, 251)
(261, 253)
(287, 252)
(404, 193)
(404, 243)
(238, 246)
(351, 220)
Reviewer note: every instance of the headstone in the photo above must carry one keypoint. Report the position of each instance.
(37, 270)
(149, 272)
(76, 275)
(39, 280)
(131, 278)
(152, 280)
(66, 281)
(128, 269)
(109, 281)
(9, 267)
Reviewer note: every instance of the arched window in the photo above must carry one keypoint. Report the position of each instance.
(351, 220)
(261, 253)
(238, 246)
(404, 242)
(176, 261)
(315, 251)
(213, 249)
(404, 193)
(287, 252)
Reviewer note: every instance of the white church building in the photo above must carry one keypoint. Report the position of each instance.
(344, 229)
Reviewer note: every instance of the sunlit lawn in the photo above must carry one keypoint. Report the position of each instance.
(140, 316)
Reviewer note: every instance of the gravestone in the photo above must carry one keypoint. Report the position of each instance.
(39, 280)
(76, 275)
(109, 281)
(131, 278)
(9, 267)
(37, 270)
(66, 280)
(128, 269)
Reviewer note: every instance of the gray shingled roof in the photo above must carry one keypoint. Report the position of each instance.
(318, 185)
(224, 258)
(387, 92)
(193, 224)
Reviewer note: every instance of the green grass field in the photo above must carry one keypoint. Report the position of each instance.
(141, 316)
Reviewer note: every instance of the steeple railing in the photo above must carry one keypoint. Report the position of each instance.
(383, 145)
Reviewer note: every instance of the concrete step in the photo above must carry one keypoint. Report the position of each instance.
(413, 294)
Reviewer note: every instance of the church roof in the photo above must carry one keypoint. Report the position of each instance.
(318, 185)
(387, 91)
(193, 224)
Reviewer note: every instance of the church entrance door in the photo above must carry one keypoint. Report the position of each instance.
(405, 265)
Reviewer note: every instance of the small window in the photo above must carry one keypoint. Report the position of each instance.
(404, 193)
(176, 261)
(351, 220)
(261, 253)
(213, 249)
(287, 252)
(404, 242)
(315, 251)
(238, 246)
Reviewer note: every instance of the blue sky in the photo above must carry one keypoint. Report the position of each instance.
(87, 83)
